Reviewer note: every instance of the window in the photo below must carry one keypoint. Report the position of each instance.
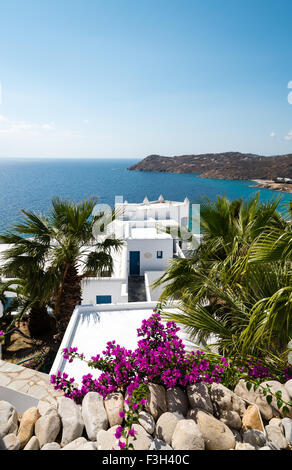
(103, 299)
(160, 254)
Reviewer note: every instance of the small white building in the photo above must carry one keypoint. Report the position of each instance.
(151, 232)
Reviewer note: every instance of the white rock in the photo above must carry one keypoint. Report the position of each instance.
(156, 400)
(47, 427)
(80, 444)
(94, 414)
(216, 435)
(276, 422)
(51, 446)
(198, 396)
(244, 446)
(72, 422)
(157, 444)
(257, 397)
(114, 404)
(105, 440)
(8, 419)
(288, 387)
(187, 436)
(147, 421)
(224, 399)
(275, 387)
(11, 442)
(165, 427)
(254, 437)
(276, 437)
(287, 425)
(177, 401)
(231, 419)
(33, 444)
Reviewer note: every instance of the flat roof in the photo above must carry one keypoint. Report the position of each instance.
(90, 328)
(148, 233)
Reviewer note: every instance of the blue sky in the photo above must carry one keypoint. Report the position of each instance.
(122, 78)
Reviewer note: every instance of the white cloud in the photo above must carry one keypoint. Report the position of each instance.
(288, 136)
(86, 121)
(14, 127)
(290, 84)
(273, 135)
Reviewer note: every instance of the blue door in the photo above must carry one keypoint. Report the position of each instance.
(103, 299)
(134, 263)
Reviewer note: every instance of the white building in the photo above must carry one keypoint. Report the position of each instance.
(151, 232)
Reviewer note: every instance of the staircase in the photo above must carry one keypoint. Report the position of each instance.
(136, 289)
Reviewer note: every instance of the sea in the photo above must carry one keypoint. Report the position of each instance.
(30, 184)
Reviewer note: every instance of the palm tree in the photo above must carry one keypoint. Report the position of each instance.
(229, 229)
(218, 291)
(67, 245)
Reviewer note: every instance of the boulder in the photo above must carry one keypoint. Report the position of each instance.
(157, 444)
(254, 437)
(177, 401)
(8, 419)
(236, 434)
(251, 419)
(51, 446)
(33, 444)
(165, 427)
(48, 427)
(105, 440)
(231, 419)
(143, 439)
(288, 387)
(244, 446)
(187, 436)
(80, 444)
(224, 399)
(44, 406)
(11, 442)
(72, 421)
(276, 422)
(114, 404)
(276, 437)
(287, 425)
(156, 401)
(257, 397)
(216, 435)
(94, 414)
(26, 428)
(276, 386)
(198, 396)
(147, 421)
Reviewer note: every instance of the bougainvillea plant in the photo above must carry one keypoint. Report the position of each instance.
(136, 399)
(160, 357)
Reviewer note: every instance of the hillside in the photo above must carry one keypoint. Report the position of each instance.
(227, 165)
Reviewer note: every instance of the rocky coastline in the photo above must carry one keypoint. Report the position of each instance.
(227, 165)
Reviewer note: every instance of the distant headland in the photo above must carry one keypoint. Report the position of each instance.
(273, 172)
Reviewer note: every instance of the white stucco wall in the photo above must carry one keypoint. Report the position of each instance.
(148, 253)
(152, 294)
(91, 287)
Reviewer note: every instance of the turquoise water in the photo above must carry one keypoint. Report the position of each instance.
(30, 184)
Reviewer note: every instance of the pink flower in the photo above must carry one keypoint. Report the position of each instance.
(132, 432)
(121, 445)
(118, 433)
